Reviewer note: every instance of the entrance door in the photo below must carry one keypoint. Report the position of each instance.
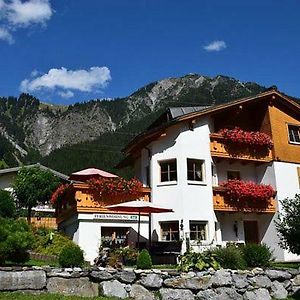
(251, 232)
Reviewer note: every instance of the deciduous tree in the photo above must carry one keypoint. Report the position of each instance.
(288, 225)
(34, 186)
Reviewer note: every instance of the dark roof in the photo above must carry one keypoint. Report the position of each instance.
(16, 169)
(180, 111)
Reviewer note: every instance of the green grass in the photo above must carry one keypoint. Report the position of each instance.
(289, 265)
(45, 296)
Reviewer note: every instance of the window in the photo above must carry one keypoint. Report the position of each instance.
(294, 134)
(195, 169)
(231, 175)
(170, 231)
(168, 170)
(198, 231)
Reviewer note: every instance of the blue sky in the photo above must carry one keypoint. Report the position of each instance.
(64, 51)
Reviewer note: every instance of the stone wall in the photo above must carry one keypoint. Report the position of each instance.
(256, 284)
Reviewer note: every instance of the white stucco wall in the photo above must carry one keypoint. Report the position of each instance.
(85, 231)
(189, 200)
(6, 180)
(287, 184)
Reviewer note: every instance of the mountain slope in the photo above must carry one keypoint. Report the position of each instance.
(69, 138)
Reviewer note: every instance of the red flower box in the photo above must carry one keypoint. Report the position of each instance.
(254, 139)
(115, 188)
(239, 190)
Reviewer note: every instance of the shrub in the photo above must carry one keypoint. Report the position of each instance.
(257, 255)
(198, 261)
(50, 242)
(230, 257)
(7, 205)
(144, 260)
(15, 240)
(127, 255)
(71, 256)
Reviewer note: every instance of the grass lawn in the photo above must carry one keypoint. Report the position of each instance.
(291, 265)
(23, 296)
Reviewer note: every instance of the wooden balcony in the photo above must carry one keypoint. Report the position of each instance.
(44, 222)
(81, 200)
(220, 149)
(223, 204)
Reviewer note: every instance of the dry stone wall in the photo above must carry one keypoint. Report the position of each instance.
(256, 284)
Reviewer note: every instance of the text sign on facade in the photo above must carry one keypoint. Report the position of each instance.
(115, 217)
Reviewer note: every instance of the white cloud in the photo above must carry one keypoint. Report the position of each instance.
(215, 46)
(17, 13)
(5, 35)
(66, 81)
(29, 12)
(66, 95)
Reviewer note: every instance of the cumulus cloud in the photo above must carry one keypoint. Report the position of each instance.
(16, 13)
(29, 12)
(65, 82)
(5, 35)
(215, 46)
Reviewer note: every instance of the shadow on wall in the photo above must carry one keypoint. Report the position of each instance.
(132, 238)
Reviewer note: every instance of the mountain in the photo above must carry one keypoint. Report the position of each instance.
(92, 133)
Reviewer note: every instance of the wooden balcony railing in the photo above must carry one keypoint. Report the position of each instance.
(82, 201)
(222, 203)
(220, 148)
(44, 222)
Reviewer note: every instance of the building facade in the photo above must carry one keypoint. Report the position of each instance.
(86, 220)
(184, 159)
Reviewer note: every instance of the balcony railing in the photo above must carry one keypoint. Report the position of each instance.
(82, 200)
(44, 222)
(222, 203)
(219, 147)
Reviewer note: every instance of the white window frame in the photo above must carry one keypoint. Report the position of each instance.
(169, 182)
(161, 231)
(200, 222)
(199, 182)
(288, 129)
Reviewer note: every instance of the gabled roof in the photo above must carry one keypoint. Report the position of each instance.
(16, 169)
(143, 139)
(93, 171)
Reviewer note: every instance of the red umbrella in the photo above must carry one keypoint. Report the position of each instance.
(139, 207)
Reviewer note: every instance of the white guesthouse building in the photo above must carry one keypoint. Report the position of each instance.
(183, 159)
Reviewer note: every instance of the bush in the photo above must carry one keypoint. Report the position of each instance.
(7, 205)
(71, 256)
(257, 255)
(144, 260)
(198, 261)
(127, 255)
(230, 257)
(50, 242)
(15, 240)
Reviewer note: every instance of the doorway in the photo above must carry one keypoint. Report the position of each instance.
(251, 232)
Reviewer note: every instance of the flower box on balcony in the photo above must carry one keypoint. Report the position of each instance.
(243, 145)
(243, 196)
(116, 189)
(254, 139)
(239, 190)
